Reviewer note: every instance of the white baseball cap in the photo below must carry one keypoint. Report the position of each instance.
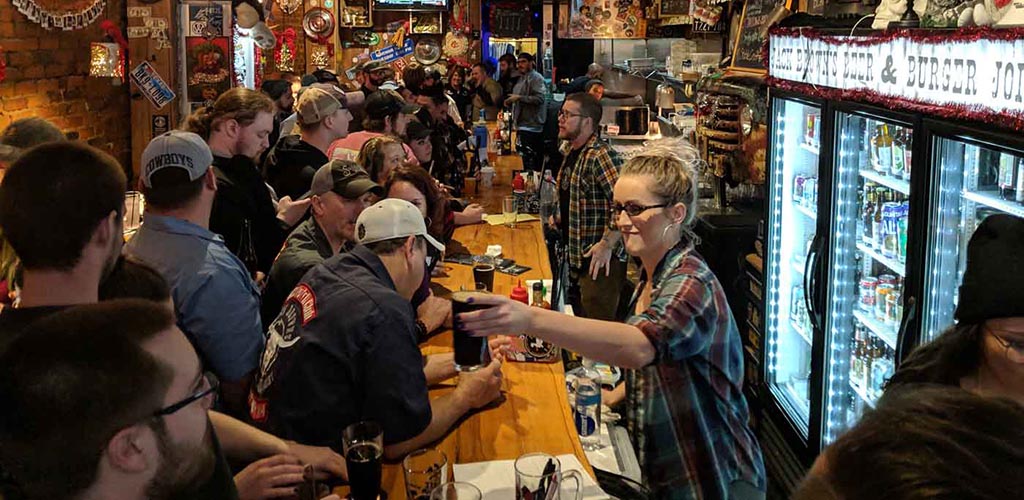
(392, 218)
(177, 149)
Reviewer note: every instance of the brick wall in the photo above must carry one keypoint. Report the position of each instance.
(48, 76)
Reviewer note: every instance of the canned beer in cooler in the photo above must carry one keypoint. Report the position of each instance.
(867, 287)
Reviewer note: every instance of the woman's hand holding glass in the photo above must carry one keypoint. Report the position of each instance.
(504, 316)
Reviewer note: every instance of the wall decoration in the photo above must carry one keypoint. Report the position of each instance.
(757, 17)
(159, 125)
(152, 85)
(284, 53)
(58, 14)
(605, 19)
(356, 13)
(106, 60)
(510, 20)
(207, 68)
(318, 23)
(205, 46)
(289, 6)
(322, 56)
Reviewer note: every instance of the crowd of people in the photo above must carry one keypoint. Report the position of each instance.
(277, 292)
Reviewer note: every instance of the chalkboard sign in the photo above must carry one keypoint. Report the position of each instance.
(669, 8)
(510, 21)
(757, 17)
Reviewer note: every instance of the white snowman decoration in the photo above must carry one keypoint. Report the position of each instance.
(947, 13)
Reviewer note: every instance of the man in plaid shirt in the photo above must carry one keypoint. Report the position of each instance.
(597, 260)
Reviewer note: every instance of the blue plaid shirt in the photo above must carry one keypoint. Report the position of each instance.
(685, 411)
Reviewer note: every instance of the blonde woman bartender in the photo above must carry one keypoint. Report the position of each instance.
(684, 404)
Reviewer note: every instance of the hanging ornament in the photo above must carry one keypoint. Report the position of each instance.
(284, 53)
(459, 17)
(50, 14)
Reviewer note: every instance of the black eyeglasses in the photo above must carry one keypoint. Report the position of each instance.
(213, 385)
(1014, 348)
(633, 209)
(565, 114)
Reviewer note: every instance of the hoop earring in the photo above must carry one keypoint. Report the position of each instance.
(664, 232)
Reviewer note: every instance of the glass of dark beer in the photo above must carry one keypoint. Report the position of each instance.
(483, 272)
(471, 353)
(363, 443)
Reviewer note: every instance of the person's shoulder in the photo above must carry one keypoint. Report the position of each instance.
(13, 320)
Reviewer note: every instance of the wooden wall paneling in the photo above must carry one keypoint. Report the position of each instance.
(164, 61)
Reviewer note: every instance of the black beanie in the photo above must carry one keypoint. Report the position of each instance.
(993, 284)
(275, 88)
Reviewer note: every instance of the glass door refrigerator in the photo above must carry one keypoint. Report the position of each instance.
(870, 270)
(796, 175)
(975, 173)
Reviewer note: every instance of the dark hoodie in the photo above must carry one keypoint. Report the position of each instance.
(290, 166)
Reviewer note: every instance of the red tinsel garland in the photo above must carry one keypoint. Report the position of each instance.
(1007, 119)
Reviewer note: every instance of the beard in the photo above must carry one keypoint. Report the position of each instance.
(570, 134)
(184, 468)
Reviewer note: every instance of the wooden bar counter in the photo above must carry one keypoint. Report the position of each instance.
(535, 414)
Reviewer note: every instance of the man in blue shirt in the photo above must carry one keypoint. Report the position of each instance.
(216, 303)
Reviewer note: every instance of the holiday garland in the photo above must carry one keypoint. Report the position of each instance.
(63, 19)
(1007, 119)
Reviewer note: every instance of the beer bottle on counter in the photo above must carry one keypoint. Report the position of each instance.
(246, 250)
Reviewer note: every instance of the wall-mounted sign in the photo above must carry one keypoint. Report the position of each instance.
(152, 85)
(510, 20)
(758, 16)
(976, 69)
(605, 19)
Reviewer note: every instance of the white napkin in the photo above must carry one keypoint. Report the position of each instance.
(497, 478)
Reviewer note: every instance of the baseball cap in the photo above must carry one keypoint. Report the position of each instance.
(372, 66)
(344, 177)
(384, 103)
(335, 92)
(26, 133)
(177, 149)
(416, 130)
(316, 104)
(392, 218)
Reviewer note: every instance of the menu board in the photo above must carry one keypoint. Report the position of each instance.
(757, 18)
(668, 8)
(510, 20)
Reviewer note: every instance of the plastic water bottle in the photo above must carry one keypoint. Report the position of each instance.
(585, 392)
(548, 197)
(480, 135)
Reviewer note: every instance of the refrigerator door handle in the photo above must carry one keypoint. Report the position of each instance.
(903, 340)
(810, 268)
